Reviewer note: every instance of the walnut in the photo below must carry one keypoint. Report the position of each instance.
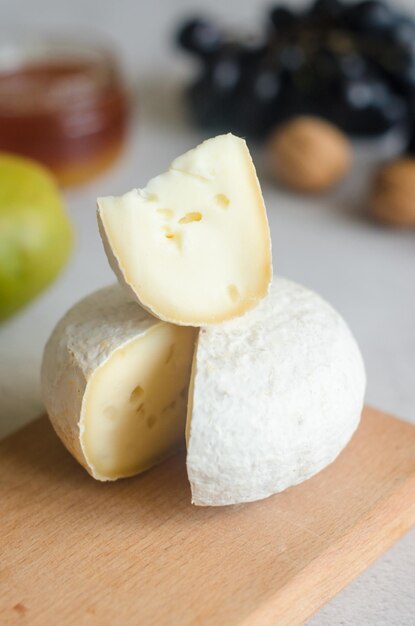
(393, 194)
(309, 154)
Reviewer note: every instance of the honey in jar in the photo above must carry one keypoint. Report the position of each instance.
(63, 104)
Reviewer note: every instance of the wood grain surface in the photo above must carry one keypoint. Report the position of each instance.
(136, 553)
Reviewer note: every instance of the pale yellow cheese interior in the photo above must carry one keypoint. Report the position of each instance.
(194, 244)
(134, 408)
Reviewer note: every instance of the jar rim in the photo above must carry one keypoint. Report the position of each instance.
(16, 52)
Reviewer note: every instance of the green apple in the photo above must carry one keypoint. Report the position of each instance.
(35, 232)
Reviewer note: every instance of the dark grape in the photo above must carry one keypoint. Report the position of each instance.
(266, 84)
(291, 58)
(226, 73)
(282, 18)
(370, 16)
(200, 36)
(331, 65)
(258, 102)
(326, 65)
(398, 68)
(352, 65)
(370, 108)
(404, 33)
(359, 95)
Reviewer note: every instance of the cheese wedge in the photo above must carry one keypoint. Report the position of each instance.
(115, 382)
(194, 245)
(274, 397)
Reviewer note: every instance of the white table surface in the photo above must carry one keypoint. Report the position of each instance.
(326, 243)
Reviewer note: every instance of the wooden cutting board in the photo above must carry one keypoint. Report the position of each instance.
(136, 553)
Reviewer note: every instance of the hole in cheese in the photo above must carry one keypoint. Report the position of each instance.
(175, 238)
(136, 393)
(151, 197)
(169, 406)
(167, 213)
(222, 201)
(193, 216)
(110, 412)
(170, 353)
(151, 420)
(233, 293)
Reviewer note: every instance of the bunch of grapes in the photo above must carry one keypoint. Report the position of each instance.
(352, 64)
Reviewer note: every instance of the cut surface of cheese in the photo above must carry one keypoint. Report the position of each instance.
(274, 397)
(194, 245)
(115, 381)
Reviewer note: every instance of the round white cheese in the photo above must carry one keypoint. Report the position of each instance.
(275, 396)
(115, 382)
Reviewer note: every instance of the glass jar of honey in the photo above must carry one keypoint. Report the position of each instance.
(64, 104)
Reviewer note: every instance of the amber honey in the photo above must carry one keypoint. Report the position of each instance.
(64, 105)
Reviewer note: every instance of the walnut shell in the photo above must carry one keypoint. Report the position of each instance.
(393, 195)
(309, 154)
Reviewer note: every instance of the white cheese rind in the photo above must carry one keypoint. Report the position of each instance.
(194, 245)
(275, 396)
(98, 354)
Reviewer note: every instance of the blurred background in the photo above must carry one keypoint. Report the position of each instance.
(105, 94)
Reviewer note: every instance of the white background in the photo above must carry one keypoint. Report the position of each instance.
(327, 243)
